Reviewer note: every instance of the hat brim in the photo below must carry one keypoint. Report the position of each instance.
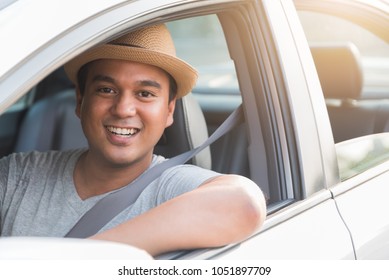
(184, 74)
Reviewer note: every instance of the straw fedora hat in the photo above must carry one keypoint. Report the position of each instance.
(151, 45)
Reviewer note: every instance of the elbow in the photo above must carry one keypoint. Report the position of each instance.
(252, 205)
(247, 208)
(233, 209)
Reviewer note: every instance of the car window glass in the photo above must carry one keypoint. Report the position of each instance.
(200, 41)
(360, 154)
(324, 28)
(359, 120)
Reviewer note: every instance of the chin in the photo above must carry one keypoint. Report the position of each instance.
(124, 161)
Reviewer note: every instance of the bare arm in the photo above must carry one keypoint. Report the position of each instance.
(224, 210)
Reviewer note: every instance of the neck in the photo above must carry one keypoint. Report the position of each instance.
(92, 177)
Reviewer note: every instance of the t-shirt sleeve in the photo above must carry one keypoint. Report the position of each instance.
(181, 179)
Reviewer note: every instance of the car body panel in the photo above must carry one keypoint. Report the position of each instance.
(363, 203)
(334, 238)
(38, 248)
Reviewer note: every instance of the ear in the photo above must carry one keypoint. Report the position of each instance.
(79, 98)
(171, 107)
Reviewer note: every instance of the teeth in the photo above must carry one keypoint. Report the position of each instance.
(122, 131)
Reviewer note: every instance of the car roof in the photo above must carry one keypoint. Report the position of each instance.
(40, 35)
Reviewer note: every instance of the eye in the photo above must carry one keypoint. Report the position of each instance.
(106, 90)
(145, 94)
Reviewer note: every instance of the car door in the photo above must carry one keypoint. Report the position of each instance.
(362, 194)
(286, 149)
(308, 225)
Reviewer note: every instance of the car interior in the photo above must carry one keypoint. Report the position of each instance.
(51, 124)
(342, 85)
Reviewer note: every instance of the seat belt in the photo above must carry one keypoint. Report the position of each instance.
(117, 201)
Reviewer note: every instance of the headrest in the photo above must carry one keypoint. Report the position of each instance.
(188, 131)
(339, 70)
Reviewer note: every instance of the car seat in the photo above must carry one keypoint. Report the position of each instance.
(51, 124)
(341, 78)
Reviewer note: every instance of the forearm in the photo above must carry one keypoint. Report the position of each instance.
(213, 215)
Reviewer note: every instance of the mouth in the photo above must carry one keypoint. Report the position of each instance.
(121, 131)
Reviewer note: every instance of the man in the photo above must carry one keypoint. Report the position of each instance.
(126, 93)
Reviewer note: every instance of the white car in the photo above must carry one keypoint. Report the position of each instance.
(313, 78)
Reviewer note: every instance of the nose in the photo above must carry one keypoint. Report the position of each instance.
(124, 105)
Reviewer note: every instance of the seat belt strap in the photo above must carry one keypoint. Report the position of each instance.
(117, 201)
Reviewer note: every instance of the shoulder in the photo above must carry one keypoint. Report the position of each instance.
(39, 159)
(189, 172)
(181, 179)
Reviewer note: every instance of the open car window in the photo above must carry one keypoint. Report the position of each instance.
(357, 102)
(200, 41)
(327, 29)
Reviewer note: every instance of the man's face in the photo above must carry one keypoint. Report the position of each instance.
(124, 110)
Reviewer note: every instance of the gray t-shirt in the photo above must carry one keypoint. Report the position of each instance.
(38, 196)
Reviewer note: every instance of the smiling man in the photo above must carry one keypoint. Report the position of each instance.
(126, 95)
(124, 110)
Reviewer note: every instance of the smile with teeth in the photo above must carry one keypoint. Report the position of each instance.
(122, 131)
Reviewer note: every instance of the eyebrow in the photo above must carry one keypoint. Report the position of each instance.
(145, 83)
(103, 78)
(150, 83)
